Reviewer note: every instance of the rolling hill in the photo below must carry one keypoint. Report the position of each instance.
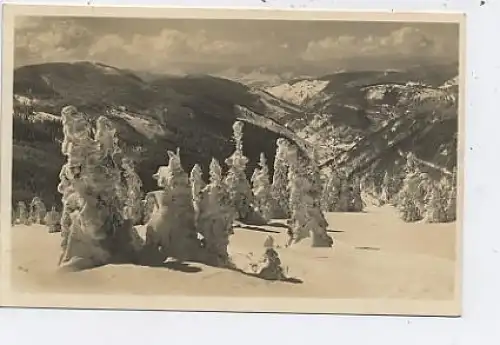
(361, 121)
(194, 113)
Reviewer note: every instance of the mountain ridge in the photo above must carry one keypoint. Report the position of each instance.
(343, 121)
(195, 113)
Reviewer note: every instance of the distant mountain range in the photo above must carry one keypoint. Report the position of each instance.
(351, 117)
(366, 119)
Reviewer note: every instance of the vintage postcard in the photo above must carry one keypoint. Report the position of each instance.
(232, 160)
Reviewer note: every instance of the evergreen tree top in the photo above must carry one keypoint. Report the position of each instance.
(68, 111)
(215, 172)
(174, 163)
(238, 135)
(128, 163)
(263, 162)
(238, 128)
(269, 242)
(196, 171)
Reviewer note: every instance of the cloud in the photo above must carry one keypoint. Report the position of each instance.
(204, 46)
(39, 40)
(405, 42)
(155, 51)
(66, 40)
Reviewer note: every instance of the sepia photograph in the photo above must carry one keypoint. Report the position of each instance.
(232, 160)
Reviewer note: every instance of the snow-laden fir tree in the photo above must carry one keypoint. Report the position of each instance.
(371, 184)
(112, 156)
(70, 201)
(262, 189)
(408, 198)
(423, 191)
(386, 188)
(171, 228)
(149, 205)
(13, 216)
(22, 213)
(451, 203)
(236, 180)
(331, 193)
(37, 211)
(133, 185)
(197, 185)
(345, 195)
(412, 195)
(53, 220)
(75, 127)
(312, 169)
(84, 243)
(91, 182)
(105, 134)
(435, 208)
(271, 268)
(215, 218)
(411, 163)
(397, 181)
(306, 216)
(279, 188)
(357, 201)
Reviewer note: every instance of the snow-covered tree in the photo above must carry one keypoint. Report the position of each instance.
(85, 176)
(133, 185)
(271, 268)
(22, 213)
(408, 198)
(37, 211)
(53, 220)
(279, 188)
(451, 203)
(236, 180)
(75, 127)
(423, 191)
(345, 195)
(312, 169)
(215, 218)
(306, 216)
(357, 201)
(172, 228)
(70, 201)
(435, 211)
(13, 217)
(331, 193)
(386, 188)
(262, 189)
(105, 135)
(413, 193)
(92, 196)
(197, 185)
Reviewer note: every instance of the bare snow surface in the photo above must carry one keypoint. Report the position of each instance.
(375, 255)
(299, 92)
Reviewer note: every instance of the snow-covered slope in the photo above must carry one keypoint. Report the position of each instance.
(300, 92)
(194, 113)
(451, 83)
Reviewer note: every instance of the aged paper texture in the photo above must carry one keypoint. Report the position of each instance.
(232, 160)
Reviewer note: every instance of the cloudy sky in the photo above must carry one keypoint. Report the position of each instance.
(204, 45)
